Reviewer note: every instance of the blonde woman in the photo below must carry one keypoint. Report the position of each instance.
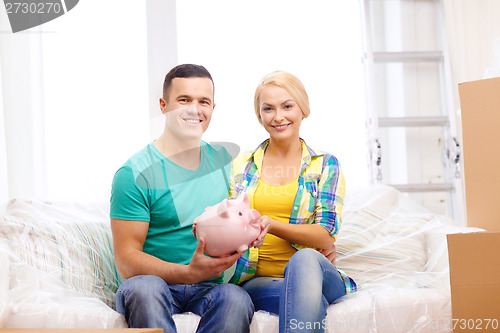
(301, 191)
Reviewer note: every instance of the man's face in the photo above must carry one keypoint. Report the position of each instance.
(188, 107)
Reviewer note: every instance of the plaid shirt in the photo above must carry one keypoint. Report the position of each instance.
(319, 198)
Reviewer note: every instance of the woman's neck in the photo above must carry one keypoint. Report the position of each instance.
(281, 162)
(284, 148)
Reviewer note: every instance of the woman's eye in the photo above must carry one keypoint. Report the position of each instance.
(240, 213)
(288, 106)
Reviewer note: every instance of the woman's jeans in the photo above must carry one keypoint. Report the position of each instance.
(148, 301)
(311, 282)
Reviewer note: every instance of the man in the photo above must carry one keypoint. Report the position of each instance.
(155, 197)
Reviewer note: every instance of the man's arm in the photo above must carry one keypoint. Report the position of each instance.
(128, 241)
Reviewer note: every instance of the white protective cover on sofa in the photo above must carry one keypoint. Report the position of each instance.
(57, 267)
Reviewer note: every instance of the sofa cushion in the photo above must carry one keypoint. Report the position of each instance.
(54, 242)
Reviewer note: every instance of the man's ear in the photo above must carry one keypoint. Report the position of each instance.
(163, 105)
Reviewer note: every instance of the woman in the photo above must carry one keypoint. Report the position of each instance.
(301, 192)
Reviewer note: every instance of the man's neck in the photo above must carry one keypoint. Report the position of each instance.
(183, 152)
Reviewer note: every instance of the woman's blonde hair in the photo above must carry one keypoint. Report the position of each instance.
(290, 83)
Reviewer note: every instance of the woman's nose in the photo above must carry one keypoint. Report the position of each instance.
(279, 115)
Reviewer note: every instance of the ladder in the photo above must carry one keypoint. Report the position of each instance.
(411, 125)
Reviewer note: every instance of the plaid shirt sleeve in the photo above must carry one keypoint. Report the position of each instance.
(331, 192)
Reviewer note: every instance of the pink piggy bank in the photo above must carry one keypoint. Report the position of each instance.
(228, 226)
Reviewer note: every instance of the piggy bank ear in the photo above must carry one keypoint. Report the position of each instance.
(243, 198)
(223, 208)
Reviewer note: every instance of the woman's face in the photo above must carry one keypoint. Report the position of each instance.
(281, 116)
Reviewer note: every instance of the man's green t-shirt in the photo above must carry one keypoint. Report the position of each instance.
(150, 187)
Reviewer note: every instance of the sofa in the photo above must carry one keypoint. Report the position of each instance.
(57, 268)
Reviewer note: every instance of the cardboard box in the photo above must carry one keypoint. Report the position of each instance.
(480, 106)
(475, 281)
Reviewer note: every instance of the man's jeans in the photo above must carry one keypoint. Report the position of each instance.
(148, 301)
(311, 282)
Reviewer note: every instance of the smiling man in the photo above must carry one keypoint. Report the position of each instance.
(155, 197)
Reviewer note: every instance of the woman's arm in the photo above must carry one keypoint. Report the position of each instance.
(311, 235)
(330, 196)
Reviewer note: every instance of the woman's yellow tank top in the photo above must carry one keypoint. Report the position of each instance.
(276, 202)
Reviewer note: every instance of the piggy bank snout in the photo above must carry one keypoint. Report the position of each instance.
(252, 214)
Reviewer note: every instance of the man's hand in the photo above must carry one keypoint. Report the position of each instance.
(203, 267)
(330, 253)
(265, 224)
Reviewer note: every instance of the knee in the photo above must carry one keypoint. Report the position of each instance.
(235, 298)
(305, 256)
(143, 286)
(144, 298)
(304, 261)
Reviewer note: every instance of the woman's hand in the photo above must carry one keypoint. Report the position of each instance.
(194, 229)
(265, 223)
(330, 253)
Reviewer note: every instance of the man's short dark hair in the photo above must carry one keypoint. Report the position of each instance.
(184, 71)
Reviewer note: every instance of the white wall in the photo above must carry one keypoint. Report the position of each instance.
(320, 42)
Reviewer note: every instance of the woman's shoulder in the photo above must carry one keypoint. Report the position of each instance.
(243, 157)
(323, 156)
(247, 155)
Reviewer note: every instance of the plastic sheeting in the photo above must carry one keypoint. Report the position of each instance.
(60, 270)
(57, 267)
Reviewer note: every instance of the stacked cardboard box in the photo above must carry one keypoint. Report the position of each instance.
(475, 257)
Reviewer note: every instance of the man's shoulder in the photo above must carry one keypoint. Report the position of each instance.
(142, 159)
(219, 152)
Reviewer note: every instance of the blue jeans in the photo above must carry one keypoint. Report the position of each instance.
(148, 301)
(311, 282)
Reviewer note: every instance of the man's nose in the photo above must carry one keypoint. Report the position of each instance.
(194, 108)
